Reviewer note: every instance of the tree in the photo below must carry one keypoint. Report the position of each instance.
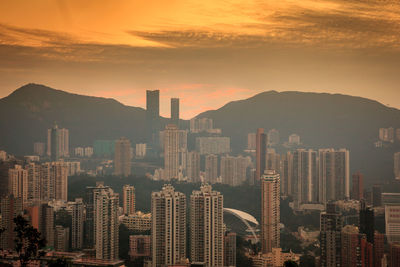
(28, 241)
(290, 264)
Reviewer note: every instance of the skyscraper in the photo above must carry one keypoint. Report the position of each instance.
(122, 157)
(251, 141)
(46, 223)
(193, 166)
(270, 211)
(357, 186)
(128, 198)
(211, 168)
(331, 223)
(261, 147)
(230, 249)
(392, 222)
(78, 210)
(376, 195)
(175, 111)
(10, 208)
(234, 169)
(168, 231)
(106, 223)
(61, 238)
(355, 250)
(153, 115)
(171, 152)
(34, 181)
(367, 221)
(206, 227)
(273, 137)
(18, 183)
(57, 142)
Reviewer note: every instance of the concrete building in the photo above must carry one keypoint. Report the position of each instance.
(106, 223)
(122, 157)
(376, 195)
(206, 227)
(39, 148)
(128, 199)
(213, 145)
(357, 186)
(251, 141)
(270, 211)
(331, 224)
(273, 137)
(193, 166)
(175, 111)
(198, 125)
(10, 208)
(141, 150)
(230, 249)
(138, 222)
(261, 147)
(396, 160)
(78, 218)
(61, 238)
(168, 209)
(171, 152)
(392, 222)
(153, 116)
(46, 223)
(394, 255)
(355, 249)
(234, 169)
(18, 183)
(275, 258)
(139, 246)
(294, 139)
(211, 168)
(57, 143)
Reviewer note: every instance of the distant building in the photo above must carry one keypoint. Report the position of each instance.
(376, 195)
(141, 151)
(273, 137)
(168, 209)
(153, 116)
(175, 111)
(39, 148)
(78, 218)
(394, 255)
(139, 246)
(230, 249)
(367, 221)
(122, 157)
(356, 250)
(251, 141)
(10, 208)
(57, 143)
(390, 198)
(128, 199)
(387, 134)
(234, 169)
(261, 147)
(206, 226)
(104, 148)
(270, 211)
(392, 222)
(171, 152)
(211, 168)
(198, 125)
(18, 183)
(286, 172)
(294, 139)
(138, 222)
(193, 166)
(357, 186)
(61, 238)
(3, 155)
(396, 160)
(331, 223)
(275, 258)
(213, 145)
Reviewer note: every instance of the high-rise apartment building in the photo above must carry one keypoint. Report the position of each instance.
(39, 148)
(366, 221)
(34, 181)
(153, 115)
(396, 159)
(128, 199)
(211, 168)
(46, 223)
(141, 151)
(234, 169)
(18, 183)
(171, 152)
(273, 137)
(168, 231)
(294, 139)
(213, 145)
(230, 249)
(357, 190)
(334, 172)
(57, 142)
(270, 211)
(122, 157)
(261, 147)
(193, 166)
(10, 208)
(394, 255)
(286, 173)
(331, 224)
(175, 111)
(355, 249)
(198, 125)
(251, 141)
(379, 242)
(392, 222)
(61, 238)
(106, 223)
(78, 218)
(206, 227)
(139, 246)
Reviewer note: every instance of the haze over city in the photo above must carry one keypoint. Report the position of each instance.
(189, 133)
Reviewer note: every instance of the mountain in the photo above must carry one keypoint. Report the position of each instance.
(321, 120)
(27, 113)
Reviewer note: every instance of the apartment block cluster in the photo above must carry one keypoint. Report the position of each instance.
(388, 137)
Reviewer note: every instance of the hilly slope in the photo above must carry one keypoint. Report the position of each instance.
(27, 113)
(322, 120)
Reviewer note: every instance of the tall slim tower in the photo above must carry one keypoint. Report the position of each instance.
(168, 229)
(193, 166)
(77, 224)
(18, 183)
(175, 111)
(206, 226)
(270, 211)
(331, 223)
(57, 142)
(211, 168)
(10, 208)
(122, 157)
(357, 186)
(171, 152)
(106, 224)
(261, 147)
(153, 115)
(128, 196)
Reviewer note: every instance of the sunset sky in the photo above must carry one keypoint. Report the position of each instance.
(205, 52)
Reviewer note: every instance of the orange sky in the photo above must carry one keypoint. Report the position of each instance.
(206, 52)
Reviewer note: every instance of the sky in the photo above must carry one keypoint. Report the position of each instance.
(205, 52)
